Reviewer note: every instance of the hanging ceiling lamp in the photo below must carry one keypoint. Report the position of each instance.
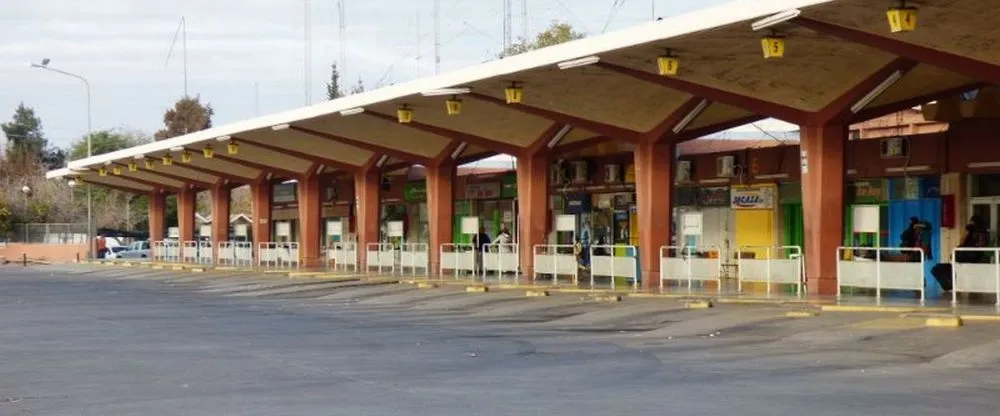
(404, 113)
(168, 160)
(902, 18)
(773, 45)
(514, 93)
(668, 64)
(208, 152)
(454, 106)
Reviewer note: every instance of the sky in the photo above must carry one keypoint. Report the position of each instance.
(247, 57)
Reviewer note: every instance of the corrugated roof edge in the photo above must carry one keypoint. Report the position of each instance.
(696, 21)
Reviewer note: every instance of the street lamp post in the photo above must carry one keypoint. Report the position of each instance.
(90, 207)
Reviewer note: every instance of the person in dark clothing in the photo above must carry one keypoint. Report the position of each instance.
(482, 239)
(976, 236)
(915, 237)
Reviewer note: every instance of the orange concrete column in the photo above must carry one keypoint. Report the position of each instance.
(367, 186)
(654, 184)
(221, 195)
(310, 213)
(260, 194)
(185, 213)
(157, 215)
(440, 208)
(823, 173)
(533, 207)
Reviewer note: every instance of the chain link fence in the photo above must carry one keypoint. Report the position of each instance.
(74, 233)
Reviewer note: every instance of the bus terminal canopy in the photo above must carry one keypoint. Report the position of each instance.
(675, 79)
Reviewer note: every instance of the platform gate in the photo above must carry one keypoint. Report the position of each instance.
(276, 255)
(975, 277)
(501, 259)
(344, 255)
(166, 251)
(235, 253)
(606, 262)
(413, 257)
(555, 260)
(689, 264)
(880, 268)
(780, 265)
(380, 256)
(458, 258)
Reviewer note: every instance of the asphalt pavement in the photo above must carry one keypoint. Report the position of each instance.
(97, 340)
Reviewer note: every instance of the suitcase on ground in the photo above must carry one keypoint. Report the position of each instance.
(942, 273)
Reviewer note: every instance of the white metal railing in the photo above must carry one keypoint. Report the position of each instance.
(158, 251)
(501, 258)
(380, 255)
(235, 253)
(780, 265)
(686, 263)
(189, 252)
(165, 251)
(457, 258)
(866, 267)
(975, 276)
(612, 265)
(554, 260)
(414, 256)
(205, 253)
(344, 254)
(278, 255)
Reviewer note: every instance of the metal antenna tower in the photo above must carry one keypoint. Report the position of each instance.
(524, 20)
(437, 36)
(182, 32)
(307, 65)
(342, 16)
(507, 31)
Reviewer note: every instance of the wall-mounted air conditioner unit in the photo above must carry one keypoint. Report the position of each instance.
(894, 147)
(580, 172)
(683, 171)
(612, 173)
(725, 166)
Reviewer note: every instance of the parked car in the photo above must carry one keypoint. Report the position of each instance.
(136, 250)
(114, 252)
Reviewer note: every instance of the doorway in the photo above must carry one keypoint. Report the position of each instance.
(987, 208)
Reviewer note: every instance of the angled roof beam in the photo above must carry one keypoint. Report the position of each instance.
(263, 168)
(549, 138)
(126, 188)
(208, 171)
(181, 179)
(779, 111)
(875, 112)
(336, 164)
(703, 131)
(462, 160)
(410, 157)
(451, 152)
(578, 122)
(580, 145)
(980, 70)
(869, 89)
(452, 134)
(151, 184)
(677, 120)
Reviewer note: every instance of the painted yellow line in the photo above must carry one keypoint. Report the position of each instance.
(943, 322)
(426, 285)
(889, 323)
(701, 304)
(536, 293)
(477, 289)
(981, 318)
(876, 308)
(801, 314)
(608, 298)
(306, 274)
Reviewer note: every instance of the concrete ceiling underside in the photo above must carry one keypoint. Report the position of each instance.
(836, 52)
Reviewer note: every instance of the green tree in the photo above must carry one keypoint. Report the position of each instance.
(26, 141)
(333, 87)
(187, 116)
(556, 33)
(107, 141)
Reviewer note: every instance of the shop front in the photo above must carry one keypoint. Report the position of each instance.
(492, 201)
(754, 218)
(706, 219)
(284, 213)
